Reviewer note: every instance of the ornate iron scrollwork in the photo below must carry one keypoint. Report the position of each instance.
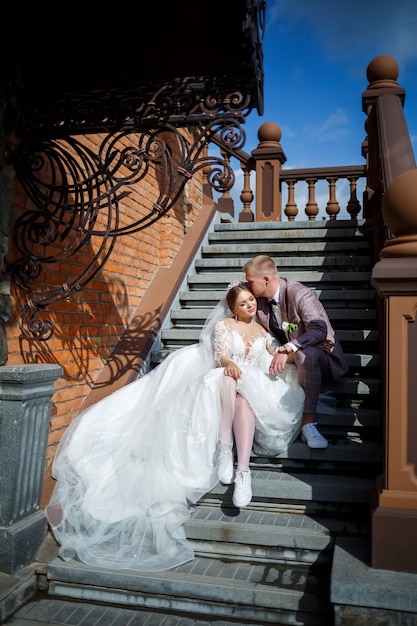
(76, 191)
(85, 186)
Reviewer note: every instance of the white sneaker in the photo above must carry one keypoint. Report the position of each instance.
(312, 437)
(225, 471)
(242, 493)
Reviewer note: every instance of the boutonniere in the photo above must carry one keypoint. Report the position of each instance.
(289, 327)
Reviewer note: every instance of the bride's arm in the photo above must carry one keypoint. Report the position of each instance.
(222, 355)
(272, 344)
(272, 347)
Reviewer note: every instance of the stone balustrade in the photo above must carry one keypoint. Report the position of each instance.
(276, 189)
(310, 177)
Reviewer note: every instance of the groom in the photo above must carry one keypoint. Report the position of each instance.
(294, 314)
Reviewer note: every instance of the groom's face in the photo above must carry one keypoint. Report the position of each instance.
(258, 284)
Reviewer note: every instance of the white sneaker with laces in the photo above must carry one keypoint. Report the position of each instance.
(242, 493)
(312, 437)
(226, 472)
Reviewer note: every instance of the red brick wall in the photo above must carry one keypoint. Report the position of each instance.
(89, 324)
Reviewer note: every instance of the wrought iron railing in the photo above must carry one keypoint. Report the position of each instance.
(75, 192)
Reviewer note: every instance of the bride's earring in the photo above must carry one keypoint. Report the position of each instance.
(236, 320)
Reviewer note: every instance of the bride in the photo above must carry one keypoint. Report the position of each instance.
(129, 468)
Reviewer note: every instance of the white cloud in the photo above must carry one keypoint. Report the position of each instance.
(336, 119)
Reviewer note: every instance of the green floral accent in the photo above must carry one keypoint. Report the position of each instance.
(289, 327)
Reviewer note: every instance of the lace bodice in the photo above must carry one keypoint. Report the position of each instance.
(231, 344)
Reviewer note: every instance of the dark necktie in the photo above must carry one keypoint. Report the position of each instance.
(274, 326)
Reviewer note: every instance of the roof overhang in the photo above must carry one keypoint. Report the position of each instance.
(175, 61)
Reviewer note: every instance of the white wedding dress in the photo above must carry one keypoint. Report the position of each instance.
(129, 468)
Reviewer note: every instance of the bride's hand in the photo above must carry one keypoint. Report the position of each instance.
(231, 369)
(278, 363)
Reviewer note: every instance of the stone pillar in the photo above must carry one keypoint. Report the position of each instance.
(7, 176)
(394, 518)
(25, 410)
(269, 157)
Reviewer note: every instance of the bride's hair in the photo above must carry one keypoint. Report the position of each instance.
(233, 292)
(220, 311)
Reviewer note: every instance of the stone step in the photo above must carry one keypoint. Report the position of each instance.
(361, 380)
(63, 612)
(337, 296)
(355, 361)
(282, 537)
(341, 233)
(356, 450)
(360, 227)
(316, 489)
(256, 591)
(15, 590)
(366, 338)
(285, 249)
(355, 386)
(217, 280)
(257, 565)
(359, 334)
(351, 417)
(346, 262)
(277, 533)
(197, 317)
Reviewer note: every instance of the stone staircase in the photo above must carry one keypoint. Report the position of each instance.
(270, 563)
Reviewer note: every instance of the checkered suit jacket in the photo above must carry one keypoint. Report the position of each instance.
(300, 305)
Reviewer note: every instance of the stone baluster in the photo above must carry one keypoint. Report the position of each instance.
(246, 215)
(291, 208)
(225, 202)
(332, 207)
(311, 207)
(353, 206)
(26, 398)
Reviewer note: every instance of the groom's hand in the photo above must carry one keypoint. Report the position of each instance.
(327, 345)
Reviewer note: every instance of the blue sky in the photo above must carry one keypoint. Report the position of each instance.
(316, 53)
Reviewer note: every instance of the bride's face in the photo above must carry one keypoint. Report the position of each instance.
(245, 306)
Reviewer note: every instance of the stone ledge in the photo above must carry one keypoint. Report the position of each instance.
(355, 584)
(16, 590)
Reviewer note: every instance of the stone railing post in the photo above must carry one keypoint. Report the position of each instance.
(25, 410)
(394, 518)
(392, 176)
(269, 158)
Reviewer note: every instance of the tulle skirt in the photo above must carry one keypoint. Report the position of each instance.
(129, 468)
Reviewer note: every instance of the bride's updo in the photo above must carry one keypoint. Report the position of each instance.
(232, 292)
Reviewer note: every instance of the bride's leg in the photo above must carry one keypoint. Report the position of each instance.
(228, 400)
(244, 431)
